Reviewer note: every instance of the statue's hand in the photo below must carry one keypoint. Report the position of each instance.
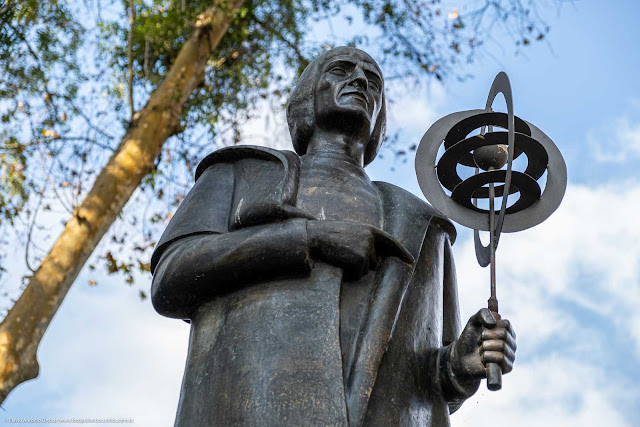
(484, 340)
(352, 246)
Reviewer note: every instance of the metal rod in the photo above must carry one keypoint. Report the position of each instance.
(494, 371)
(493, 301)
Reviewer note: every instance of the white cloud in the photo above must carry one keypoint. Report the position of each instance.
(106, 355)
(618, 140)
(550, 391)
(415, 112)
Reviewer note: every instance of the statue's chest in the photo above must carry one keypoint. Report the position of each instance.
(331, 189)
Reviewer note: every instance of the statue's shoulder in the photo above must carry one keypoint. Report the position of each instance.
(235, 187)
(400, 202)
(287, 159)
(264, 182)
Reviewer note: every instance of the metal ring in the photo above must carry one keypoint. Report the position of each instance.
(537, 159)
(527, 187)
(425, 166)
(502, 85)
(463, 128)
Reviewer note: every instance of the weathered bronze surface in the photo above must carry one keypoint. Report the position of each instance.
(315, 296)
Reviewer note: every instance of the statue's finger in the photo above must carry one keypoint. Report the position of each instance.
(499, 358)
(493, 357)
(499, 345)
(484, 317)
(502, 334)
(511, 341)
(511, 336)
(511, 330)
(494, 345)
(504, 323)
(391, 245)
(507, 365)
(495, 334)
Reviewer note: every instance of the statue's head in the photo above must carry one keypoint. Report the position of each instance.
(342, 87)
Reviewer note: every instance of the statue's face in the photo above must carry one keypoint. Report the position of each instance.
(349, 85)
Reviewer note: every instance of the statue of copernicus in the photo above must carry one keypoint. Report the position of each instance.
(316, 296)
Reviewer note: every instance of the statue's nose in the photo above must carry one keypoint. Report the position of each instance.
(359, 79)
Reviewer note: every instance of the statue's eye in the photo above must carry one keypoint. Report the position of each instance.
(374, 85)
(338, 71)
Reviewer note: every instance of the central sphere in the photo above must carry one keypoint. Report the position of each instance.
(491, 157)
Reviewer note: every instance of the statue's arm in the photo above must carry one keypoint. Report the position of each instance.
(195, 268)
(453, 388)
(462, 362)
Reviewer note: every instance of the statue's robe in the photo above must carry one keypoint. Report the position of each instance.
(278, 338)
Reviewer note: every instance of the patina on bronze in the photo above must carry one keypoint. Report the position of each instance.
(316, 296)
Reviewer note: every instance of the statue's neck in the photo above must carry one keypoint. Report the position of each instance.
(337, 145)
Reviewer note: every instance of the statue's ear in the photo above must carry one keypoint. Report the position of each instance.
(377, 137)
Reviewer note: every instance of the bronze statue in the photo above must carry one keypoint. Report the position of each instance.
(315, 296)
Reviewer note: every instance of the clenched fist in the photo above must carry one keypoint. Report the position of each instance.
(483, 340)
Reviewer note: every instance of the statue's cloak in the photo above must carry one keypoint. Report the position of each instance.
(295, 344)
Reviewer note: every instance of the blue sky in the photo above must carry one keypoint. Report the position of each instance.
(571, 285)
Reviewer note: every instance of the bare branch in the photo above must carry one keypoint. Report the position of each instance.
(30, 233)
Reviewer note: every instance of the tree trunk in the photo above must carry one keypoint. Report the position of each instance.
(26, 322)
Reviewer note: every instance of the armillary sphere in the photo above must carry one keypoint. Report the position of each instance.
(491, 155)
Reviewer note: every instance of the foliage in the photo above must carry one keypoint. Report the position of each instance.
(65, 93)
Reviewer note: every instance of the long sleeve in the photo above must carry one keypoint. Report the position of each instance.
(454, 391)
(452, 388)
(195, 268)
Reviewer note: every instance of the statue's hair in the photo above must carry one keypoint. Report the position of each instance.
(301, 114)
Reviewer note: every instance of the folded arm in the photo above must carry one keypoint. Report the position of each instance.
(196, 268)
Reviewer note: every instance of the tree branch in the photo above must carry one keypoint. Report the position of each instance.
(25, 324)
(132, 19)
(303, 60)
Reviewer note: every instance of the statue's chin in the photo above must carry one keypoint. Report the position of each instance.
(352, 118)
